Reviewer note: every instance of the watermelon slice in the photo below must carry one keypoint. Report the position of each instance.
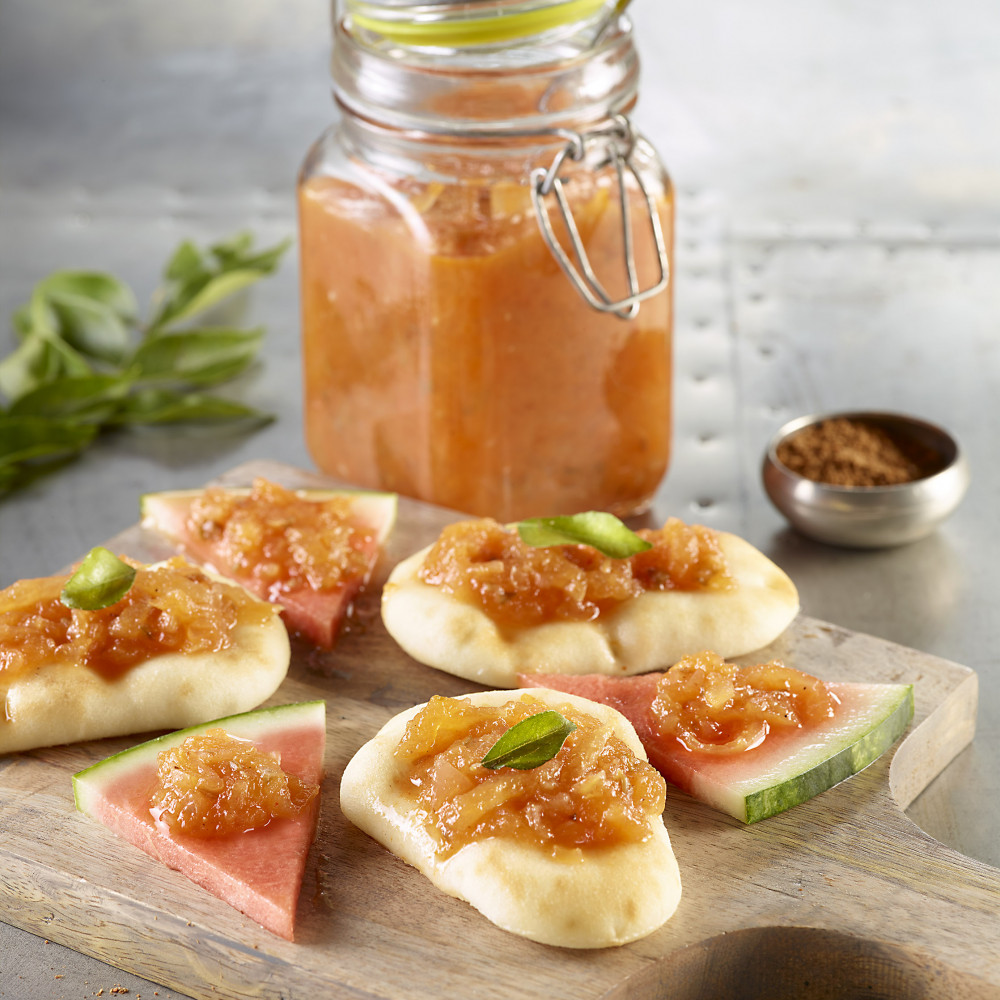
(258, 872)
(789, 767)
(317, 613)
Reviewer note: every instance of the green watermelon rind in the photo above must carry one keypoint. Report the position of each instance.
(251, 725)
(876, 736)
(373, 508)
(782, 773)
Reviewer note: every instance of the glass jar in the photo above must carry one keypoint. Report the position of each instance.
(485, 251)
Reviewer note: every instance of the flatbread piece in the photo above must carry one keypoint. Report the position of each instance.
(612, 896)
(649, 632)
(65, 701)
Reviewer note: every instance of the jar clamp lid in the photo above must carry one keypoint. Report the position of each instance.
(621, 143)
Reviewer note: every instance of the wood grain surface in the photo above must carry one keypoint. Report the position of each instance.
(839, 897)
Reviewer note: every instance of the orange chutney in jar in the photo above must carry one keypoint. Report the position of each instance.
(447, 354)
(467, 370)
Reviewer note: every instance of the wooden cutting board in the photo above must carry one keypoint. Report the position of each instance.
(841, 896)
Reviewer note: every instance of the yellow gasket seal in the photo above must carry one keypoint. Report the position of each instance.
(480, 30)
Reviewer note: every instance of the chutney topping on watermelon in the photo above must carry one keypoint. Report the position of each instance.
(309, 551)
(240, 823)
(215, 784)
(744, 740)
(714, 707)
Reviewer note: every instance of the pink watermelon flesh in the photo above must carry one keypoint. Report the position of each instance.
(788, 768)
(258, 872)
(317, 615)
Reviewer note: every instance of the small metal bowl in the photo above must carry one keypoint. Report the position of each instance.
(869, 516)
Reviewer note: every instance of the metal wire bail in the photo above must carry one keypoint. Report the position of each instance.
(617, 134)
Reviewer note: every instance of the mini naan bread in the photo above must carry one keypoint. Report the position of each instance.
(612, 896)
(648, 632)
(65, 701)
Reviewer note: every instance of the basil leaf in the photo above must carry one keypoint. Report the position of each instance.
(42, 356)
(95, 287)
(31, 364)
(530, 743)
(194, 284)
(93, 398)
(82, 363)
(36, 317)
(66, 360)
(169, 406)
(191, 301)
(31, 447)
(236, 252)
(186, 264)
(91, 312)
(90, 327)
(201, 357)
(102, 580)
(26, 438)
(595, 528)
(232, 252)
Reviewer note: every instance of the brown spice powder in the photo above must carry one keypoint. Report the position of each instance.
(845, 452)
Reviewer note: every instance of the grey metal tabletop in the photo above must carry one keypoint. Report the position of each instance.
(838, 168)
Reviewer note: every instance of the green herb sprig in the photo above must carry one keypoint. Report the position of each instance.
(101, 580)
(530, 743)
(595, 528)
(84, 363)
